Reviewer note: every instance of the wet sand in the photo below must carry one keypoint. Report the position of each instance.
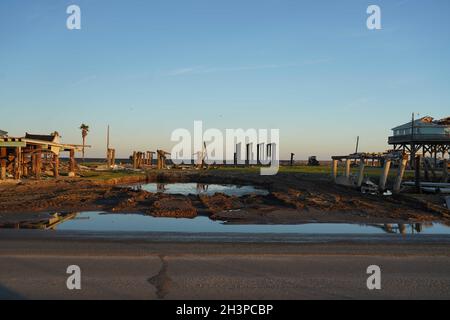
(151, 266)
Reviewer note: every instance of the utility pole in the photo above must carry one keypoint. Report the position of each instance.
(357, 145)
(107, 143)
(413, 146)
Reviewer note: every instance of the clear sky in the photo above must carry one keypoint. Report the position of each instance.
(146, 67)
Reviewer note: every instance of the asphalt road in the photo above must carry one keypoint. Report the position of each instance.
(33, 266)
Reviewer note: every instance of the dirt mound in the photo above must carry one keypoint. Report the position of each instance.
(220, 202)
(174, 208)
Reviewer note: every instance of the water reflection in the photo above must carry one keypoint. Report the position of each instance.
(404, 228)
(100, 221)
(199, 188)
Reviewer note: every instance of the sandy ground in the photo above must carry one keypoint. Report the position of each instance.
(293, 198)
(33, 266)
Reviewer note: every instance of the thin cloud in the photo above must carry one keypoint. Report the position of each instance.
(206, 70)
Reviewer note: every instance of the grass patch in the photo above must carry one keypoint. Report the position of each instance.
(320, 170)
(109, 175)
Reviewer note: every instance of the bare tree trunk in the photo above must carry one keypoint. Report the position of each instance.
(84, 142)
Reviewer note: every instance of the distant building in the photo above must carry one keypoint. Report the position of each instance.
(426, 135)
(3, 133)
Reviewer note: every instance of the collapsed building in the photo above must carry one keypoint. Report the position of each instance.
(33, 155)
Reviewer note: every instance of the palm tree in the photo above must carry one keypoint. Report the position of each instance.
(84, 132)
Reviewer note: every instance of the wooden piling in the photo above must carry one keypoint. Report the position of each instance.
(38, 164)
(17, 163)
(361, 172)
(348, 163)
(425, 170)
(400, 173)
(445, 171)
(385, 174)
(417, 177)
(55, 165)
(334, 169)
(134, 160)
(3, 155)
(72, 163)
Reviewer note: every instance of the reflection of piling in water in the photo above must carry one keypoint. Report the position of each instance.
(388, 228)
(48, 224)
(161, 187)
(418, 227)
(201, 187)
(402, 228)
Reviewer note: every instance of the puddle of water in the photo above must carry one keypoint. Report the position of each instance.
(200, 188)
(97, 221)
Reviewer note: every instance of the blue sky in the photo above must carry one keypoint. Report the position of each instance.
(310, 68)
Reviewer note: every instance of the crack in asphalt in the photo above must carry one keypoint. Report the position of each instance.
(162, 282)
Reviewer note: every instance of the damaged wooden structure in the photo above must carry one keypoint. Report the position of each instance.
(265, 154)
(141, 159)
(29, 156)
(425, 136)
(361, 160)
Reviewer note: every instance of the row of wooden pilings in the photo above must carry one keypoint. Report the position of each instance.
(22, 162)
(349, 160)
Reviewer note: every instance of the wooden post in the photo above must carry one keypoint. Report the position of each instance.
(292, 159)
(33, 163)
(72, 163)
(17, 152)
(425, 168)
(160, 161)
(445, 171)
(334, 169)
(431, 166)
(3, 155)
(417, 174)
(24, 166)
(108, 157)
(401, 171)
(348, 164)
(361, 172)
(113, 157)
(134, 160)
(385, 174)
(38, 164)
(55, 165)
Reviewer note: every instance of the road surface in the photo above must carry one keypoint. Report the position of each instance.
(33, 265)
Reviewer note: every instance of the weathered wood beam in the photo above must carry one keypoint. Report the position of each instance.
(360, 173)
(56, 166)
(3, 155)
(400, 173)
(385, 174)
(445, 171)
(334, 170)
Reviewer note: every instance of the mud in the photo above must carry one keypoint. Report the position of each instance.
(292, 198)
